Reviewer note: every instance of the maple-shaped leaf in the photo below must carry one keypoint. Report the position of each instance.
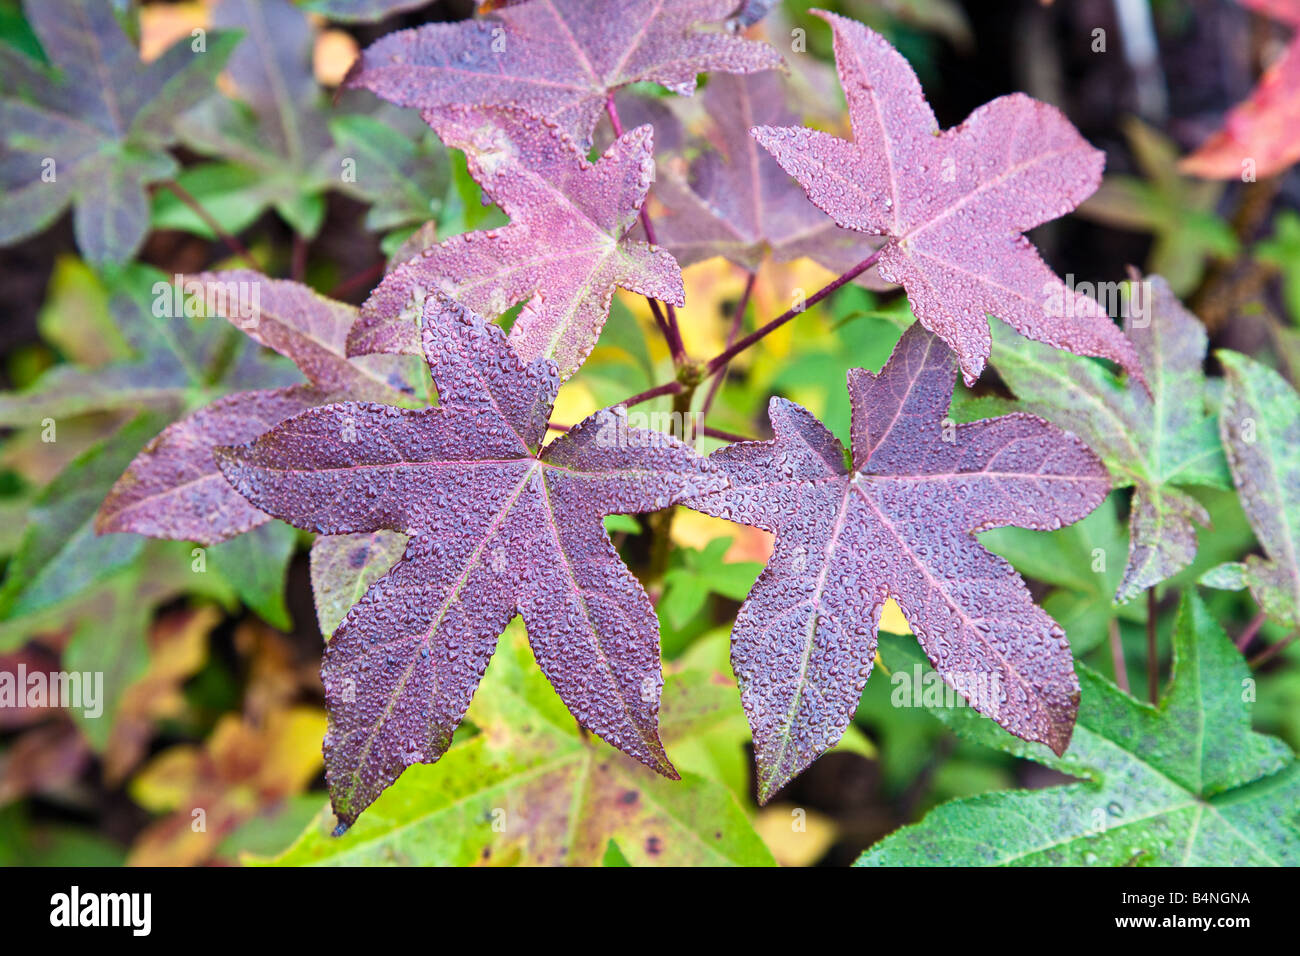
(173, 488)
(738, 202)
(1158, 442)
(559, 60)
(93, 131)
(279, 142)
(1260, 426)
(1179, 212)
(899, 522)
(1258, 135)
(565, 796)
(564, 251)
(498, 525)
(954, 204)
(1183, 783)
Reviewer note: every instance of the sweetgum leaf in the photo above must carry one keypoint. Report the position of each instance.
(558, 60)
(1184, 783)
(737, 201)
(1158, 441)
(173, 489)
(102, 116)
(1261, 129)
(565, 798)
(1260, 426)
(898, 523)
(498, 525)
(277, 122)
(283, 144)
(954, 204)
(564, 251)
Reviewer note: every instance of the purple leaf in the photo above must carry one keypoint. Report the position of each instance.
(955, 204)
(899, 523)
(173, 488)
(739, 203)
(557, 59)
(564, 251)
(498, 525)
(303, 326)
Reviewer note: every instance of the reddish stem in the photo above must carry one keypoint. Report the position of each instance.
(668, 327)
(1153, 675)
(363, 279)
(720, 361)
(737, 323)
(196, 207)
(1268, 653)
(1117, 657)
(1248, 635)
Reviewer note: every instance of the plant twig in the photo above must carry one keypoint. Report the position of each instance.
(1268, 653)
(737, 323)
(362, 279)
(237, 247)
(1117, 656)
(1153, 671)
(298, 259)
(1248, 633)
(720, 361)
(667, 326)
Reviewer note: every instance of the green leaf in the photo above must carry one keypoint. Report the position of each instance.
(1260, 425)
(342, 568)
(1184, 783)
(698, 575)
(403, 175)
(1282, 250)
(530, 789)
(111, 645)
(94, 134)
(1159, 443)
(1179, 212)
(256, 564)
(60, 555)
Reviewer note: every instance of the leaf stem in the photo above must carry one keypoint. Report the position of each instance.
(721, 360)
(667, 326)
(1268, 653)
(1251, 629)
(737, 323)
(1117, 657)
(237, 247)
(1153, 675)
(298, 259)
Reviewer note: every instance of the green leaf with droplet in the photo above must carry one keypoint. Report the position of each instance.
(1186, 782)
(529, 788)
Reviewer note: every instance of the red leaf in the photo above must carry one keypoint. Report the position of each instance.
(499, 525)
(739, 203)
(564, 250)
(1261, 129)
(954, 204)
(899, 523)
(557, 59)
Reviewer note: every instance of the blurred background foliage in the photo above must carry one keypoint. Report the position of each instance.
(209, 747)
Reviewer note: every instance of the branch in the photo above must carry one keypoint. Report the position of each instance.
(720, 361)
(668, 327)
(196, 207)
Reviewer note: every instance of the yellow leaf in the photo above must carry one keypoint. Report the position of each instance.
(796, 836)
